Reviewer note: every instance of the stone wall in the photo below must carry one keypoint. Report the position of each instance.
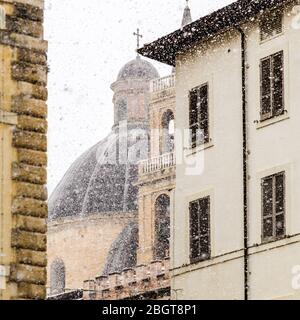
(83, 244)
(143, 282)
(23, 129)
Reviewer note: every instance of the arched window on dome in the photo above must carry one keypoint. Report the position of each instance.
(162, 227)
(167, 132)
(57, 277)
(122, 110)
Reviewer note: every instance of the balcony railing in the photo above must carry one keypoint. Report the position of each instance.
(158, 163)
(161, 84)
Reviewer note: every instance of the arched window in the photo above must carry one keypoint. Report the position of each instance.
(2, 18)
(162, 227)
(167, 134)
(122, 110)
(57, 277)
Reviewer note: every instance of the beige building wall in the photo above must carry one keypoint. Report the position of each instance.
(154, 179)
(83, 245)
(273, 147)
(23, 146)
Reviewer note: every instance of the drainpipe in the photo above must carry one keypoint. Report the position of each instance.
(245, 165)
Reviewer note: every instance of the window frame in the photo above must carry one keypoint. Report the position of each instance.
(274, 214)
(199, 258)
(272, 113)
(192, 144)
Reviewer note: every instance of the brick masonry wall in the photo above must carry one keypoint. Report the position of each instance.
(22, 43)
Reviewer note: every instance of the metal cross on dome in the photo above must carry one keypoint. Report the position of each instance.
(138, 37)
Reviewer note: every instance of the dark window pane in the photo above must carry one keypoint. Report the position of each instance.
(203, 102)
(280, 225)
(268, 228)
(267, 194)
(194, 230)
(199, 124)
(199, 230)
(204, 248)
(266, 88)
(193, 107)
(279, 183)
(278, 103)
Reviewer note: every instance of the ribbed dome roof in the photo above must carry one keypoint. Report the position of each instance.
(123, 252)
(138, 69)
(95, 184)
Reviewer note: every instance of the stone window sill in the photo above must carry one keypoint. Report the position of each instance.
(189, 151)
(266, 123)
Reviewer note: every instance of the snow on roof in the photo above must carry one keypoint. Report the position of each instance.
(166, 48)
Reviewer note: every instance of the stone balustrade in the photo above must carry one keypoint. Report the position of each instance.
(157, 163)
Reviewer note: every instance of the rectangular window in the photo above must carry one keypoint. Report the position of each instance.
(271, 25)
(272, 80)
(200, 230)
(273, 207)
(199, 121)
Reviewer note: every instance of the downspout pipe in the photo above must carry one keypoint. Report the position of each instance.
(245, 164)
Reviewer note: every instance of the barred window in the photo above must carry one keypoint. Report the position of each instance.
(200, 230)
(199, 118)
(2, 18)
(271, 25)
(273, 207)
(272, 81)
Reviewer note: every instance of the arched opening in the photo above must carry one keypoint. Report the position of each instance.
(122, 110)
(57, 277)
(168, 131)
(162, 227)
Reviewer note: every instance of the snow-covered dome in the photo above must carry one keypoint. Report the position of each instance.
(138, 69)
(123, 252)
(96, 184)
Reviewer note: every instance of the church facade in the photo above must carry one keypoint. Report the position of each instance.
(235, 223)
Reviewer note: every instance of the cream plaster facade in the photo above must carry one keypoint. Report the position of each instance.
(273, 146)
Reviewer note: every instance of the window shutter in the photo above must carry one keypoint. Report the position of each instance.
(194, 231)
(203, 114)
(199, 120)
(194, 126)
(200, 230)
(271, 25)
(266, 110)
(277, 79)
(273, 206)
(204, 229)
(280, 204)
(267, 194)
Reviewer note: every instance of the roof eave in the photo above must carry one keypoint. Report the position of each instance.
(166, 49)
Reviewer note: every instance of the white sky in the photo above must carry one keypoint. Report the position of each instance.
(89, 41)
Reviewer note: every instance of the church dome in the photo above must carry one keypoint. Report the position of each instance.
(123, 252)
(96, 184)
(138, 69)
